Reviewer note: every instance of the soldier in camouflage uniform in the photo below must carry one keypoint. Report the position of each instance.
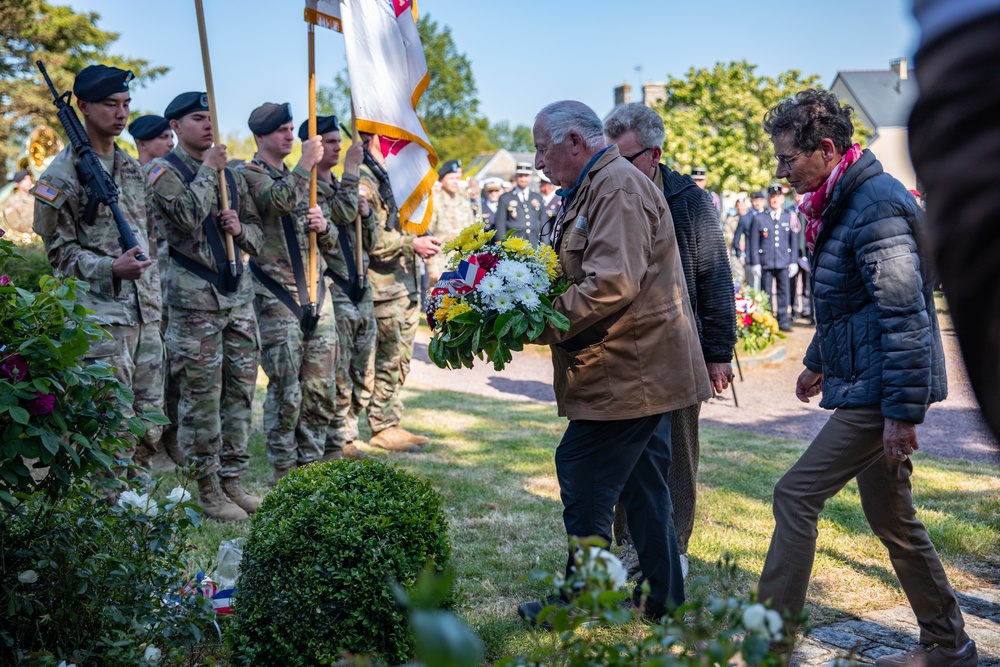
(452, 213)
(352, 304)
(124, 291)
(298, 344)
(392, 275)
(212, 336)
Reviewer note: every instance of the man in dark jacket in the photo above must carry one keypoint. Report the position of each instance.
(878, 361)
(773, 253)
(638, 131)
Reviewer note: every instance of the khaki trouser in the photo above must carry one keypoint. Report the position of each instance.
(849, 446)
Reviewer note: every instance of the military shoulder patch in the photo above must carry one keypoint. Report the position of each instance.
(46, 192)
(582, 223)
(254, 167)
(155, 173)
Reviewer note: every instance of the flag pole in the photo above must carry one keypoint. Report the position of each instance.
(313, 287)
(359, 259)
(207, 62)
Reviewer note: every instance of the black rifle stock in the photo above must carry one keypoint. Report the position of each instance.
(384, 188)
(96, 180)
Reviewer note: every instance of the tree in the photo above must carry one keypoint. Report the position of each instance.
(65, 42)
(515, 139)
(714, 118)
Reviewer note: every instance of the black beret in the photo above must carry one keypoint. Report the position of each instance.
(99, 82)
(699, 172)
(186, 103)
(449, 167)
(756, 194)
(268, 117)
(20, 175)
(324, 124)
(774, 190)
(149, 127)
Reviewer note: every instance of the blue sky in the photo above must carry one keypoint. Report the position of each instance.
(524, 53)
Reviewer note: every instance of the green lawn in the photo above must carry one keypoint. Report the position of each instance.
(492, 461)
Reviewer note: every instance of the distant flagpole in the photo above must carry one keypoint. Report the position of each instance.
(388, 75)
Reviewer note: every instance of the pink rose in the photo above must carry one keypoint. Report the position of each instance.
(14, 366)
(41, 404)
(487, 260)
(4, 281)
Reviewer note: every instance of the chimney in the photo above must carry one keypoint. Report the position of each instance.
(899, 67)
(654, 93)
(623, 94)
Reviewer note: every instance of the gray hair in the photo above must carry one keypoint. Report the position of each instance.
(561, 118)
(638, 118)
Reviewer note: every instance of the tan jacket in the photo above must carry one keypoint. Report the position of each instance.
(632, 348)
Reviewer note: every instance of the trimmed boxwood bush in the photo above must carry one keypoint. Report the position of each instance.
(324, 550)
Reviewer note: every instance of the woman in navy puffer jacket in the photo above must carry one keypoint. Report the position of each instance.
(877, 359)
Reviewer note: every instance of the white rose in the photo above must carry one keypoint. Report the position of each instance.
(775, 624)
(130, 500)
(178, 495)
(151, 508)
(617, 574)
(28, 577)
(152, 654)
(755, 618)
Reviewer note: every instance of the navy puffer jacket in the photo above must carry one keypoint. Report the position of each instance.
(877, 340)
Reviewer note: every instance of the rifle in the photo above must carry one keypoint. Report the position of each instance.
(384, 188)
(100, 187)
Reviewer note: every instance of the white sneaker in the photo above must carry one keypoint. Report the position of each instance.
(684, 566)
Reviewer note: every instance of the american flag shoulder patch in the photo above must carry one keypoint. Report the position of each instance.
(155, 173)
(46, 192)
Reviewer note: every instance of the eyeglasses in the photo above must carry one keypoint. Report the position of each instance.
(631, 158)
(787, 160)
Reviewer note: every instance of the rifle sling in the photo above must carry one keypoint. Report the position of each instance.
(218, 277)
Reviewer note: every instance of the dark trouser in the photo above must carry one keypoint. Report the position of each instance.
(801, 297)
(849, 446)
(775, 283)
(955, 147)
(600, 463)
(682, 478)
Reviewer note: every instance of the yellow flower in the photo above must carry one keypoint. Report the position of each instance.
(458, 309)
(470, 239)
(548, 257)
(518, 246)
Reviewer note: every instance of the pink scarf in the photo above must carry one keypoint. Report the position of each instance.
(814, 203)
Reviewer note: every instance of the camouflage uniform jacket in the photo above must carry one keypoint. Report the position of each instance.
(87, 251)
(392, 270)
(278, 193)
(180, 209)
(452, 214)
(334, 255)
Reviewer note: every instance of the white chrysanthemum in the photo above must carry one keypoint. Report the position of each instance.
(137, 502)
(527, 298)
(178, 495)
(539, 282)
(502, 301)
(490, 285)
(514, 273)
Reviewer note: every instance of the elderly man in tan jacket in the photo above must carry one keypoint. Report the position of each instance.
(631, 354)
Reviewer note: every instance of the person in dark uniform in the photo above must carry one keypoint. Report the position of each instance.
(741, 240)
(774, 252)
(550, 200)
(801, 289)
(492, 189)
(521, 208)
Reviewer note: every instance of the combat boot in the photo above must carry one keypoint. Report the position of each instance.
(214, 503)
(397, 439)
(349, 452)
(234, 490)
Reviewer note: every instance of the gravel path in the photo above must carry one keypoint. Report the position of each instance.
(954, 428)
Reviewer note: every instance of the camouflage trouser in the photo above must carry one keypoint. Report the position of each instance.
(397, 322)
(301, 390)
(136, 352)
(168, 437)
(213, 360)
(356, 342)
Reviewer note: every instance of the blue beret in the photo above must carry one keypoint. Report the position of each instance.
(186, 103)
(756, 194)
(449, 167)
(99, 82)
(324, 124)
(149, 127)
(268, 117)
